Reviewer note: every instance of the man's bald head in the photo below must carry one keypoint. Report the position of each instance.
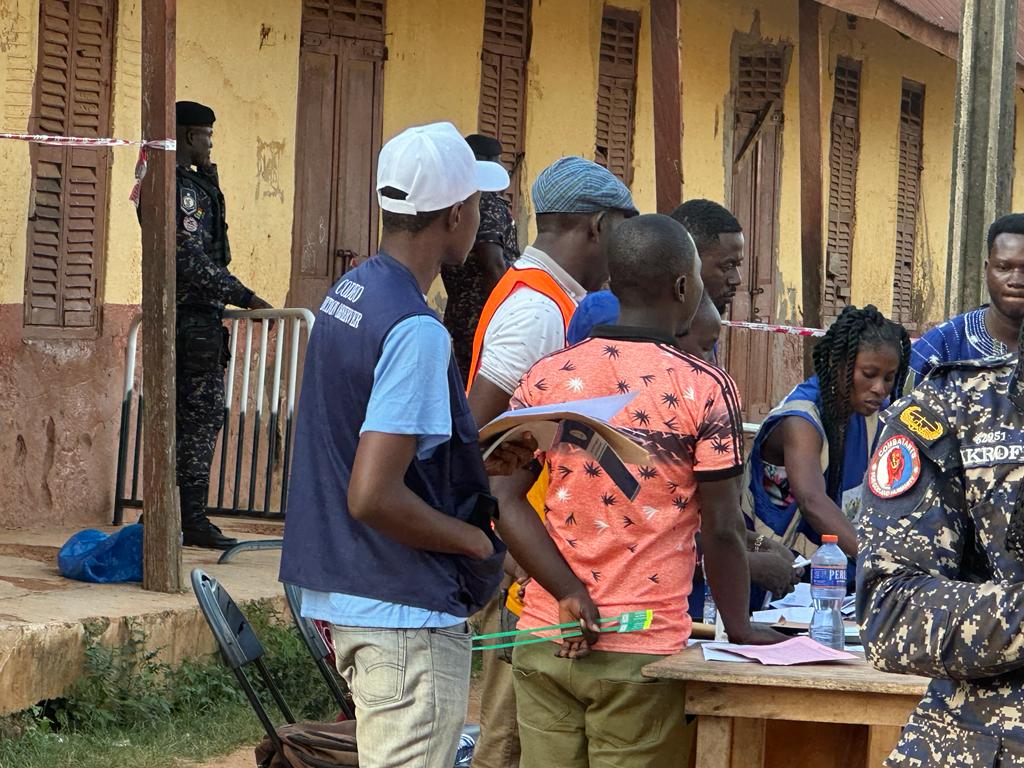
(646, 255)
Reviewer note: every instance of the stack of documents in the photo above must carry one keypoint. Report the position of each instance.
(799, 650)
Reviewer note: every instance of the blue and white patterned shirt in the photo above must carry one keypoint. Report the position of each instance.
(964, 337)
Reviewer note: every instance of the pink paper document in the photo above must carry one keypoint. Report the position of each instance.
(799, 650)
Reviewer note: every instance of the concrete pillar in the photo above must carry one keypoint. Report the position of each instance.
(982, 143)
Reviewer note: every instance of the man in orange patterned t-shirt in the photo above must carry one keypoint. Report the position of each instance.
(599, 552)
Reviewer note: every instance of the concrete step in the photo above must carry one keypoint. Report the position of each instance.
(43, 615)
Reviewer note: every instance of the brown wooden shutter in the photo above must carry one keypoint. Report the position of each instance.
(502, 112)
(760, 77)
(616, 91)
(844, 150)
(907, 196)
(349, 18)
(67, 215)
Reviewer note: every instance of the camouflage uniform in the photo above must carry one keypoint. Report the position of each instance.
(204, 287)
(940, 588)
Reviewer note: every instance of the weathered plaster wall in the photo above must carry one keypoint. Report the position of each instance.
(19, 21)
(433, 67)
(242, 58)
(59, 407)
(561, 111)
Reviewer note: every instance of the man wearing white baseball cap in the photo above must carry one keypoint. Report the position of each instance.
(388, 530)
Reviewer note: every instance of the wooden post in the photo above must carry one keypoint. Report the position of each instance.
(668, 119)
(811, 190)
(162, 544)
(982, 143)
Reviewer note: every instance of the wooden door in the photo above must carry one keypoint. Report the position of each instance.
(337, 142)
(757, 146)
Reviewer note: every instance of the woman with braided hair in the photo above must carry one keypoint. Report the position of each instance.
(810, 455)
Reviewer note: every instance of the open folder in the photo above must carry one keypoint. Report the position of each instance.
(584, 423)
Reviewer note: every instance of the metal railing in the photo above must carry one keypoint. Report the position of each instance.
(236, 429)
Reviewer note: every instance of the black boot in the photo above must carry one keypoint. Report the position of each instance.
(196, 528)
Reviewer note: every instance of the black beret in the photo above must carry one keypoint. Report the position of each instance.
(193, 113)
(483, 146)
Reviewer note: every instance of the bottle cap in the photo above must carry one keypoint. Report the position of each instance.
(828, 538)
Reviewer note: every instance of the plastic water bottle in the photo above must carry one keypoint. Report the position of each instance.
(710, 609)
(467, 745)
(828, 589)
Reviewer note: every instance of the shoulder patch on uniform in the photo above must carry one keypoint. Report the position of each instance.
(922, 422)
(190, 224)
(981, 364)
(187, 199)
(895, 468)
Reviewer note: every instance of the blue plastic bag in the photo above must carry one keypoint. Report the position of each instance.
(103, 558)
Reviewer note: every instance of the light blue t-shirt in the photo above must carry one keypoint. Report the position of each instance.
(409, 397)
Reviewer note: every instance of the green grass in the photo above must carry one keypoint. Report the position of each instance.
(157, 745)
(131, 711)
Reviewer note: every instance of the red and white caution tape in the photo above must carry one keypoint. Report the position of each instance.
(790, 330)
(82, 141)
(141, 165)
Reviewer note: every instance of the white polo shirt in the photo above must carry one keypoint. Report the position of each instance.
(527, 326)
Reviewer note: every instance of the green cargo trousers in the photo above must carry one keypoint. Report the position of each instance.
(597, 712)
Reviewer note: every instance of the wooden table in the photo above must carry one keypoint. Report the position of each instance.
(839, 715)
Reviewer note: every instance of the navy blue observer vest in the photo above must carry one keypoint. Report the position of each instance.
(325, 549)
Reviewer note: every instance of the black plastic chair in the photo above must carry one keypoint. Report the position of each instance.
(239, 647)
(318, 650)
(258, 545)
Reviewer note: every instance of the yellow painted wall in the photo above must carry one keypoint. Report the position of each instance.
(707, 50)
(561, 111)
(561, 94)
(888, 58)
(19, 22)
(420, 85)
(433, 67)
(242, 58)
(123, 284)
(250, 77)
(239, 56)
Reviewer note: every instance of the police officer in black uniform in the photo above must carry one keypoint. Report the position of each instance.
(204, 286)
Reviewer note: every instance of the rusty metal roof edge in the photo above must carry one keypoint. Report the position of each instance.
(900, 16)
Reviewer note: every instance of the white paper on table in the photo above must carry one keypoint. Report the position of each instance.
(713, 652)
(799, 650)
(791, 615)
(800, 597)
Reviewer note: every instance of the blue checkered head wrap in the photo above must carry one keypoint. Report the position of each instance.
(575, 185)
